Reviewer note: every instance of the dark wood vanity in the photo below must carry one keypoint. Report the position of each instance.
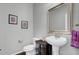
(43, 48)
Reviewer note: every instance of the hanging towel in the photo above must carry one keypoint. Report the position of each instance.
(75, 39)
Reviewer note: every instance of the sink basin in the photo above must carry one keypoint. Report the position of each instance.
(60, 41)
(50, 40)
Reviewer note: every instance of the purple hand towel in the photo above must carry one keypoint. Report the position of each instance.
(75, 39)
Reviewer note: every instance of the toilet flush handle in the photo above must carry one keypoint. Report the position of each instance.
(20, 41)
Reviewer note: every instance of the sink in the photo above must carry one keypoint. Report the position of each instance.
(50, 40)
(56, 43)
(60, 41)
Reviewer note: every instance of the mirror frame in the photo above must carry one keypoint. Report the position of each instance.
(68, 24)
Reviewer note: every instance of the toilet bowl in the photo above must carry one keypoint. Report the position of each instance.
(30, 49)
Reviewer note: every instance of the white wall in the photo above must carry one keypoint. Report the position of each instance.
(40, 19)
(10, 34)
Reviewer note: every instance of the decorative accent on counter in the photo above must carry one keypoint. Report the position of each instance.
(13, 19)
(24, 24)
(75, 39)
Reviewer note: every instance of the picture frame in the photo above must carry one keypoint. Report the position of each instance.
(24, 24)
(13, 19)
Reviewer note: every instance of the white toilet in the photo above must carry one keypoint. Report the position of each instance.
(30, 49)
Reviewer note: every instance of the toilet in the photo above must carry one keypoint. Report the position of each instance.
(30, 49)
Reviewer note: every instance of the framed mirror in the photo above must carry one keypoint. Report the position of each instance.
(60, 18)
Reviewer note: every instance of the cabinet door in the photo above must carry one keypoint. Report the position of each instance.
(43, 49)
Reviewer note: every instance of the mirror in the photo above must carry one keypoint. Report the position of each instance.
(60, 18)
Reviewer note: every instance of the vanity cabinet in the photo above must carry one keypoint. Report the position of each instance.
(43, 48)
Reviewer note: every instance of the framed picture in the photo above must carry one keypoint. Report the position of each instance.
(24, 24)
(13, 19)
